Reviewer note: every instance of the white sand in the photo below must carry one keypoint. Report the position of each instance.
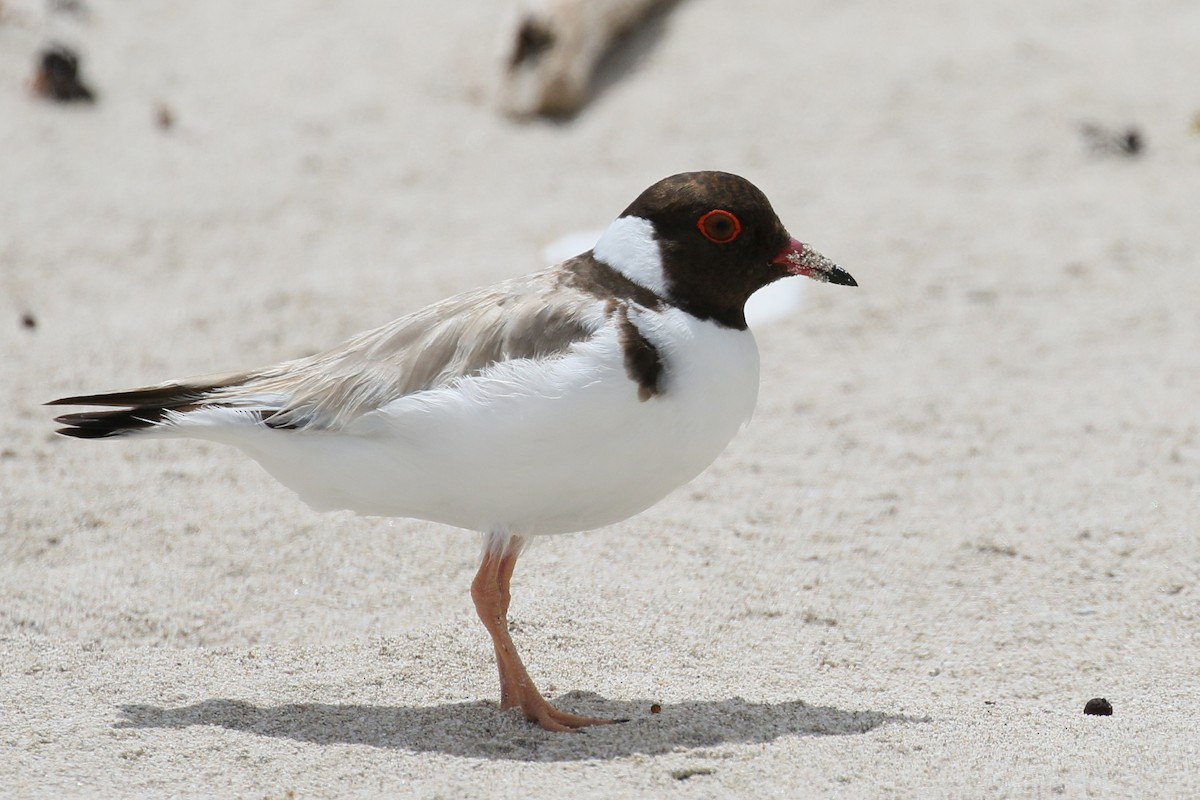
(968, 501)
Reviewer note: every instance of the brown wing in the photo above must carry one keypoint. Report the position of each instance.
(539, 316)
(532, 317)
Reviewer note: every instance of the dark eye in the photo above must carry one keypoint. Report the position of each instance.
(719, 226)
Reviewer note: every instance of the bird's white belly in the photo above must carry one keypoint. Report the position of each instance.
(535, 447)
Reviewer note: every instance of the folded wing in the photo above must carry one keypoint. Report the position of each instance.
(534, 317)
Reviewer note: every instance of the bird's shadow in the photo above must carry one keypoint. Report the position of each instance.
(478, 730)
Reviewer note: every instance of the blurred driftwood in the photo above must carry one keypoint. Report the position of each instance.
(552, 47)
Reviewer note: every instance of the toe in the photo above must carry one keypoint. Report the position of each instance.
(574, 721)
(538, 710)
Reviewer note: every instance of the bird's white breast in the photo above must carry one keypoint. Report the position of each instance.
(536, 447)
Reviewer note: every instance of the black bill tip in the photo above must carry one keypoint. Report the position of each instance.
(841, 277)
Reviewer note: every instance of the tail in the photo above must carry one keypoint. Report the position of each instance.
(137, 410)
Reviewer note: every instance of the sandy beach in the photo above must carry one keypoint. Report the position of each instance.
(969, 500)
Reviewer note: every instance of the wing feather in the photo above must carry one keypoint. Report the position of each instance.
(429, 349)
(536, 317)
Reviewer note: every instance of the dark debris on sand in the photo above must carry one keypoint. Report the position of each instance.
(57, 77)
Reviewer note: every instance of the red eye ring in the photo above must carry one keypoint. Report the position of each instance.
(719, 226)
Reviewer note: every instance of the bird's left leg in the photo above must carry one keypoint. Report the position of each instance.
(490, 591)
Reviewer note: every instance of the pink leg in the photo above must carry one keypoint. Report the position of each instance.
(490, 591)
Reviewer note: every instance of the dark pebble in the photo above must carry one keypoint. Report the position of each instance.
(1098, 707)
(28, 320)
(57, 77)
(163, 116)
(1131, 143)
(1107, 141)
(655, 709)
(692, 772)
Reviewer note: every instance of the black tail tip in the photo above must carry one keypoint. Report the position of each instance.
(85, 433)
(107, 424)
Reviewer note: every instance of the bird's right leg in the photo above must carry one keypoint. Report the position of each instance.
(490, 591)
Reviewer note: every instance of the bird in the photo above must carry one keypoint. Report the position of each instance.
(563, 401)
